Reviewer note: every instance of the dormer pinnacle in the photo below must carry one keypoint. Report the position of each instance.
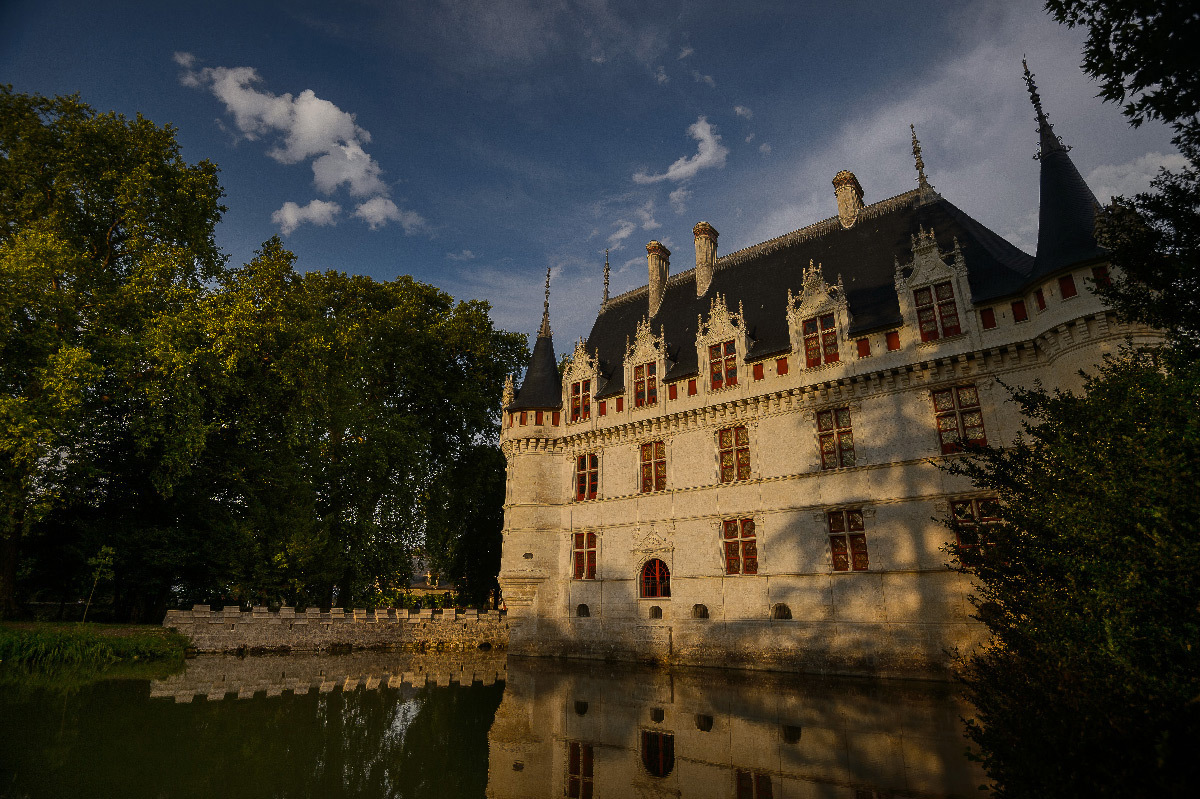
(604, 302)
(1049, 142)
(544, 332)
(922, 181)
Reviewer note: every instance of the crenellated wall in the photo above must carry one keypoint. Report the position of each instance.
(232, 629)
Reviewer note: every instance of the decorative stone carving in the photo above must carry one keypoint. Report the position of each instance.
(651, 544)
(931, 265)
(645, 346)
(721, 325)
(580, 366)
(509, 393)
(849, 197)
(816, 298)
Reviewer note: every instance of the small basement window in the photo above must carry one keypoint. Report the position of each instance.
(655, 612)
(781, 611)
(699, 611)
(583, 611)
(704, 723)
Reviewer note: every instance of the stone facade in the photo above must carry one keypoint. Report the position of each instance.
(233, 630)
(998, 319)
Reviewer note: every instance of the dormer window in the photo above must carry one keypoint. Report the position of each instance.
(937, 313)
(722, 365)
(645, 384)
(820, 340)
(581, 400)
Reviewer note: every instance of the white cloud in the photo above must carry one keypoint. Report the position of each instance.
(699, 78)
(625, 229)
(317, 212)
(750, 138)
(1133, 177)
(685, 51)
(679, 199)
(378, 211)
(465, 255)
(764, 148)
(660, 74)
(710, 153)
(743, 111)
(646, 214)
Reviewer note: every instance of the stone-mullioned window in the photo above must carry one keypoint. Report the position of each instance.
(654, 466)
(937, 312)
(740, 546)
(959, 417)
(580, 782)
(836, 438)
(973, 519)
(820, 340)
(587, 476)
(658, 753)
(584, 556)
(847, 540)
(733, 444)
(655, 579)
(645, 385)
(722, 365)
(752, 785)
(581, 400)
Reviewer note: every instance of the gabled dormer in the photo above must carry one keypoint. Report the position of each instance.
(818, 319)
(579, 384)
(645, 364)
(934, 293)
(721, 344)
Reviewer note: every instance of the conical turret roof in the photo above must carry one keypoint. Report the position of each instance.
(541, 389)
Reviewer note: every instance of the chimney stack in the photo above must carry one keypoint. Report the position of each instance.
(849, 197)
(706, 255)
(658, 258)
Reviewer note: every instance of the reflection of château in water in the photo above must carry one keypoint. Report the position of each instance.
(605, 731)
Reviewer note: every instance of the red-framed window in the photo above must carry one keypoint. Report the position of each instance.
(781, 366)
(673, 391)
(893, 340)
(584, 556)
(620, 404)
(692, 387)
(580, 761)
(937, 313)
(655, 580)
(1020, 312)
(740, 546)
(1040, 297)
(733, 444)
(722, 365)
(557, 418)
(751, 785)
(587, 476)
(645, 384)
(988, 317)
(973, 520)
(836, 438)
(1066, 287)
(1101, 276)
(820, 340)
(959, 418)
(581, 400)
(654, 466)
(524, 417)
(658, 753)
(864, 347)
(758, 371)
(603, 407)
(847, 540)
(539, 417)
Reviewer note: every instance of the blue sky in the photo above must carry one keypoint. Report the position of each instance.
(474, 143)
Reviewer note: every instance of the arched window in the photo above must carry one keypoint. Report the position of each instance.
(699, 611)
(658, 753)
(655, 612)
(656, 579)
(583, 611)
(781, 611)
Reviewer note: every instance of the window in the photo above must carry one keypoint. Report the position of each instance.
(692, 387)
(656, 579)
(893, 340)
(645, 385)
(958, 417)
(587, 476)
(781, 612)
(655, 613)
(722, 365)
(654, 466)
(579, 771)
(734, 446)
(699, 611)
(524, 418)
(847, 541)
(585, 558)
(620, 404)
(820, 340)
(864, 347)
(973, 519)
(704, 722)
(539, 417)
(603, 407)
(581, 400)
(741, 547)
(1020, 313)
(758, 371)
(1040, 297)
(988, 317)
(673, 391)
(1066, 287)
(781, 366)
(1101, 276)
(836, 438)
(658, 753)
(583, 612)
(581, 708)
(557, 418)
(937, 314)
(751, 785)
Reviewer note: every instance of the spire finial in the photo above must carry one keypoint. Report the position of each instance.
(1048, 140)
(605, 277)
(545, 331)
(922, 181)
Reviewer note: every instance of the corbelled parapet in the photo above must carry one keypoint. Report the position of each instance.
(706, 256)
(849, 197)
(658, 259)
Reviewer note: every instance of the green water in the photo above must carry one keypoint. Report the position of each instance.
(330, 727)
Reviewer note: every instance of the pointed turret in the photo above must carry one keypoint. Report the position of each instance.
(541, 389)
(1067, 213)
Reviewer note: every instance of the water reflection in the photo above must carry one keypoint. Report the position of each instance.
(583, 730)
(414, 725)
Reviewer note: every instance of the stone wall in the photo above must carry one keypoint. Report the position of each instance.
(232, 629)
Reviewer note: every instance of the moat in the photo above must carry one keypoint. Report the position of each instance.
(481, 725)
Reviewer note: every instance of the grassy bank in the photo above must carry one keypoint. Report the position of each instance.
(42, 645)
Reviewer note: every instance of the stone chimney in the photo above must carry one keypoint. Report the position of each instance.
(706, 255)
(849, 197)
(658, 258)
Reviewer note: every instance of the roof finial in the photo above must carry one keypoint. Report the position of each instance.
(922, 181)
(545, 331)
(605, 277)
(1048, 141)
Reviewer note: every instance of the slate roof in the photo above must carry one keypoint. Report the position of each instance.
(759, 278)
(541, 389)
(1067, 216)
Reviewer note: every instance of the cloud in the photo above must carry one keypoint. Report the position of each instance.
(703, 78)
(378, 211)
(764, 148)
(750, 138)
(685, 51)
(646, 214)
(1133, 177)
(743, 111)
(465, 255)
(710, 153)
(660, 74)
(625, 229)
(317, 212)
(679, 199)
